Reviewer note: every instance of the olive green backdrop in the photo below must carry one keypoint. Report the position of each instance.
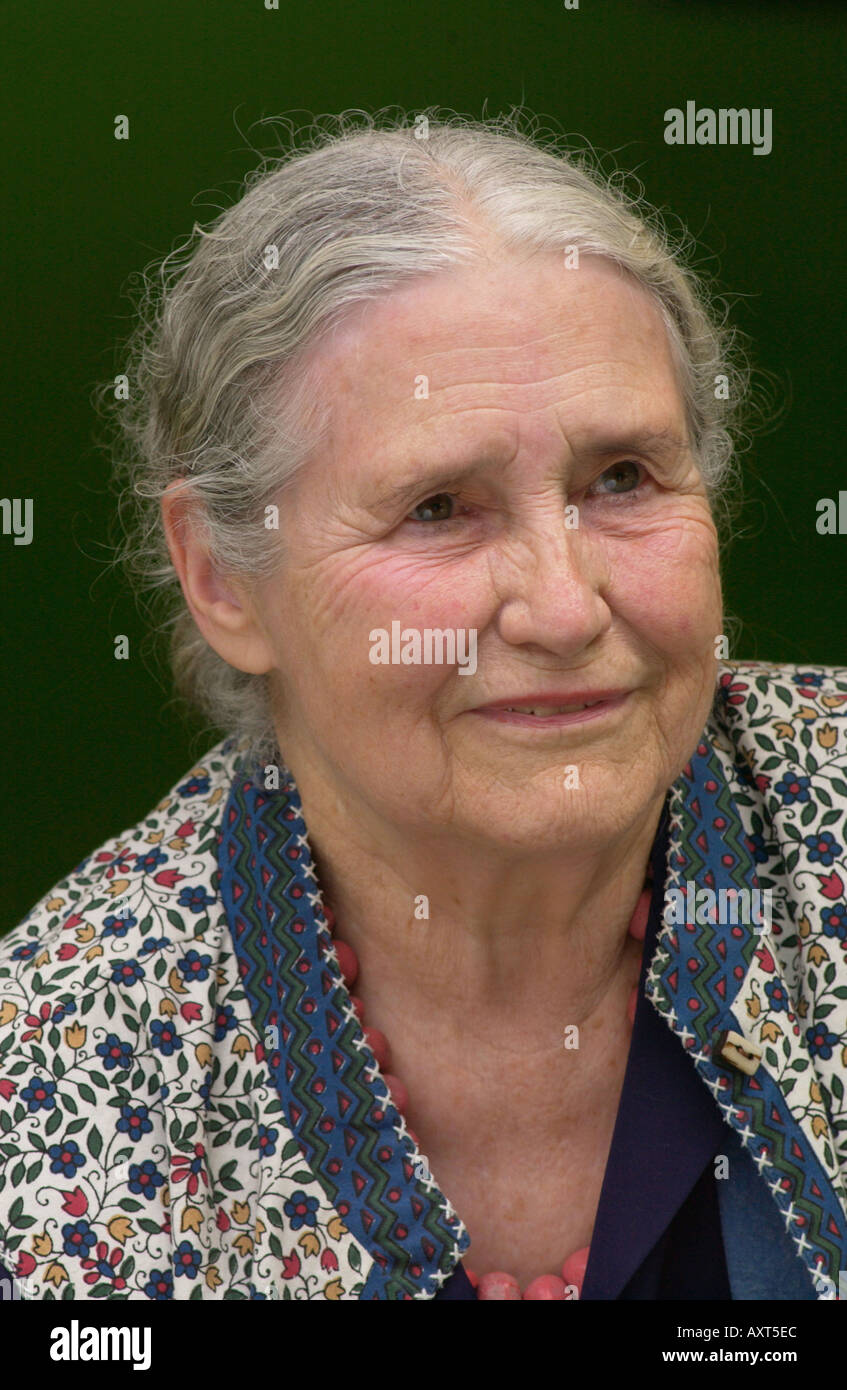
(91, 743)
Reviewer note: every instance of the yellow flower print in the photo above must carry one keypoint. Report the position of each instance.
(192, 1219)
(120, 1228)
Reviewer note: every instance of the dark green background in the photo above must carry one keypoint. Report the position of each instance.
(90, 743)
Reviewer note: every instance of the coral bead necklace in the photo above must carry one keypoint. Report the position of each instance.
(497, 1285)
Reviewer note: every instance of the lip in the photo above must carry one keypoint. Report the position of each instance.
(507, 711)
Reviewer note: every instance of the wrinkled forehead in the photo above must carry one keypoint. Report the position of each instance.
(501, 346)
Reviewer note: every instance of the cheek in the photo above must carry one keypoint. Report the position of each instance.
(667, 586)
(377, 592)
(328, 613)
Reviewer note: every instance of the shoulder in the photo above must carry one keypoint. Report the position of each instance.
(751, 688)
(159, 869)
(781, 719)
(780, 735)
(113, 991)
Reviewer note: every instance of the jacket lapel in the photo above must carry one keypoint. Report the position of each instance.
(337, 1105)
(706, 978)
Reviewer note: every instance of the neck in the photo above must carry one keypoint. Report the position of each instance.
(451, 936)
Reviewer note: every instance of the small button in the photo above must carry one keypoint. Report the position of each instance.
(732, 1050)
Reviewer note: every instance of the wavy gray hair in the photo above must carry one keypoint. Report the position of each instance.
(357, 205)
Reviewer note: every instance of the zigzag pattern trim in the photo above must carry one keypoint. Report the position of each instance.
(337, 1103)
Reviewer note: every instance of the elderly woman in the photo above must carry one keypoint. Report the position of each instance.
(498, 951)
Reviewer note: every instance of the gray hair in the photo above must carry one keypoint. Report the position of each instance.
(357, 206)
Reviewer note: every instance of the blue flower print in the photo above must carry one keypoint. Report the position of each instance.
(39, 1095)
(116, 1052)
(193, 966)
(160, 1284)
(165, 1037)
(823, 848)
(196, 899)
(78, 1237)
(66, 1158)
(134, 1121)
(186, 1260)
(301, 1210)
(145, 1178)
(126, 972)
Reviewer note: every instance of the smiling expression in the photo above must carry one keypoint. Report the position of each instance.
(469, 412)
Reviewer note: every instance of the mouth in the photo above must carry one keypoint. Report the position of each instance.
(534, 710)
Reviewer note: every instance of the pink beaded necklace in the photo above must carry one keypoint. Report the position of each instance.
(498, 1284)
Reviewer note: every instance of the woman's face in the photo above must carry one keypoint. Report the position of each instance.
(468, 413)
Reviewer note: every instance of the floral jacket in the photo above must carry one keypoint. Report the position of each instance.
(188, 1105)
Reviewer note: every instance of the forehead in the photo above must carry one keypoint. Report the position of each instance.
(501, 345)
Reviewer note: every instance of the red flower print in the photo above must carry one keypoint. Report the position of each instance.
(75, 1203)
(8, 1088)
(184, 830)
(328, 1261)
(291, 1265)
(36, 1023)
(733, 689)
(766, 959)
(191, 1011)
(192, 1169)
(832, 886)
(25, 1265)
(67, 950)
(104, 1266)
(168, 877)
(223, 1222)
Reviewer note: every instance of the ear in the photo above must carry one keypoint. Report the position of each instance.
(221, 607)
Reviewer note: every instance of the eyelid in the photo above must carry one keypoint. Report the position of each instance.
(444, 491)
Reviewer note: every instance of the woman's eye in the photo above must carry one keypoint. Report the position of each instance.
(620, 479)
(439, 507)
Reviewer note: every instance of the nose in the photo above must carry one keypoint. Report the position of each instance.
(550, 582)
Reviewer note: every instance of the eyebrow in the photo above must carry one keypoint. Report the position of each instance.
(665, 445)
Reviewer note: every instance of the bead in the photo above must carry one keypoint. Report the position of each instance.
(399, 1094)
(378, 1044)
(500, 1286)
(414, 1138)
(358, 1007)
(473, 1278)
(546, 1287)
(330, 917)
(633, 1004)
(347, 962)
(638, 925)
(573, 1270)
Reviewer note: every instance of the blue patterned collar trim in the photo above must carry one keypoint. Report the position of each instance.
(335, 1099)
